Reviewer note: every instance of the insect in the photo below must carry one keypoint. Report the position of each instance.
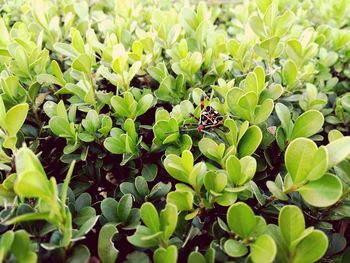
(209, 118)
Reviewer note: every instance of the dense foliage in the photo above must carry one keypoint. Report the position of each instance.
(100, 156)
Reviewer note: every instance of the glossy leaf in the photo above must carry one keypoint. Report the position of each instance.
(234, 248)
(241, 219)
(299, 157)
(162, 255)
(338, 150)
(149, 216)
(291, 222)
(307, 124)
(182, 200)
(106, 250)
(263, 249)
(311, 248)
(250, 141)
(15, 118)
(323, 192)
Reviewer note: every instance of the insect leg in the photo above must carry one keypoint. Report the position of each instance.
(203, 97)
(192, 116)
(215, 136)
(172, 132)
(190, 124)
(186, 130)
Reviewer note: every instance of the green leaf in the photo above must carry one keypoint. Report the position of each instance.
(124, 107)
(129, 127)
(82, 63)
(276, 191)
(133, 70)
(311, 248)
(66, 50)
(233, 168)
(15, 118)
(168, 220)
(49, 79)
(187, 160)
(61, 127)
(137, 257)
(143, 237)
(31, 179)
(263, 5)
(319, 164)
(21, 248)
(109, 208)
(29, 217)
(263, 111)
(334, 135)
(258, 194)
(21, 59)
(91, 121)
(86, 227)
(124, 207)
(250, 141)
(248, 101)
(234, 248)
(106, 250)
(294, 50)
(168, 255)
(149, 216)
(84, 214)
(57, 71)
(65, 185)
(173, 165)
(283, 251)
(241, 219)
(167, 131)
(149, 172)
(195, 62)
(289, 72)
(77, 40)
(345, 101)
(291, 222)
(2, 112)
(338, 150)
(182, 200)
(307, 124)
(215, 181)
(251, 83)
(323, 192)
(173, 34)
(299, 158)
(283, 114)
(27, 160)
(141, 186)
(119, 64)
(144, 104)
(257, 25)
(226, 199)
(79, 254)
(263, 249)
(196, 257)
(114, 145)
(6, 240)
(211, 149)
(248, 165)
(284, 22)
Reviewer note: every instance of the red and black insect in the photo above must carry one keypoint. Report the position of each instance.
(209, 118)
